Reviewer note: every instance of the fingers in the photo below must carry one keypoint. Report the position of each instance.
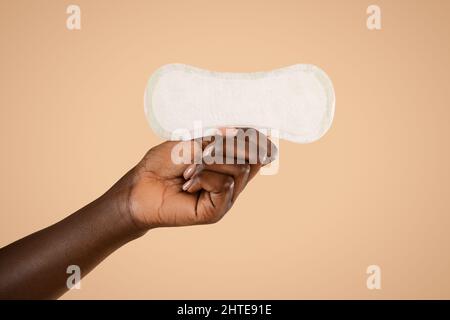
(210, 181)
(227, 164)
(221, 150)
(241, 173)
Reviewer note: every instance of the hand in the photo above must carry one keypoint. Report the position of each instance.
(163, 193)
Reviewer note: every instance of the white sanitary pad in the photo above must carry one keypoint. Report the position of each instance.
(298, 101)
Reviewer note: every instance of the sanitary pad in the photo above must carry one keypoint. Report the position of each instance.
(298, 101)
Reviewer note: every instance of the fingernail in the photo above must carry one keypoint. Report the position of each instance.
(189, 171)
(187, 184)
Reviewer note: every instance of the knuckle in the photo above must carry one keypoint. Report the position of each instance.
(211, 215)
(214, 218)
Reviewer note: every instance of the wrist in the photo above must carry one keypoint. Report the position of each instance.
(120, 208)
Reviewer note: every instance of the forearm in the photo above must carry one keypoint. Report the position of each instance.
(35, 267)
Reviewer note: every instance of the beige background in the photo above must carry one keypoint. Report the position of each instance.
(374, 190)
